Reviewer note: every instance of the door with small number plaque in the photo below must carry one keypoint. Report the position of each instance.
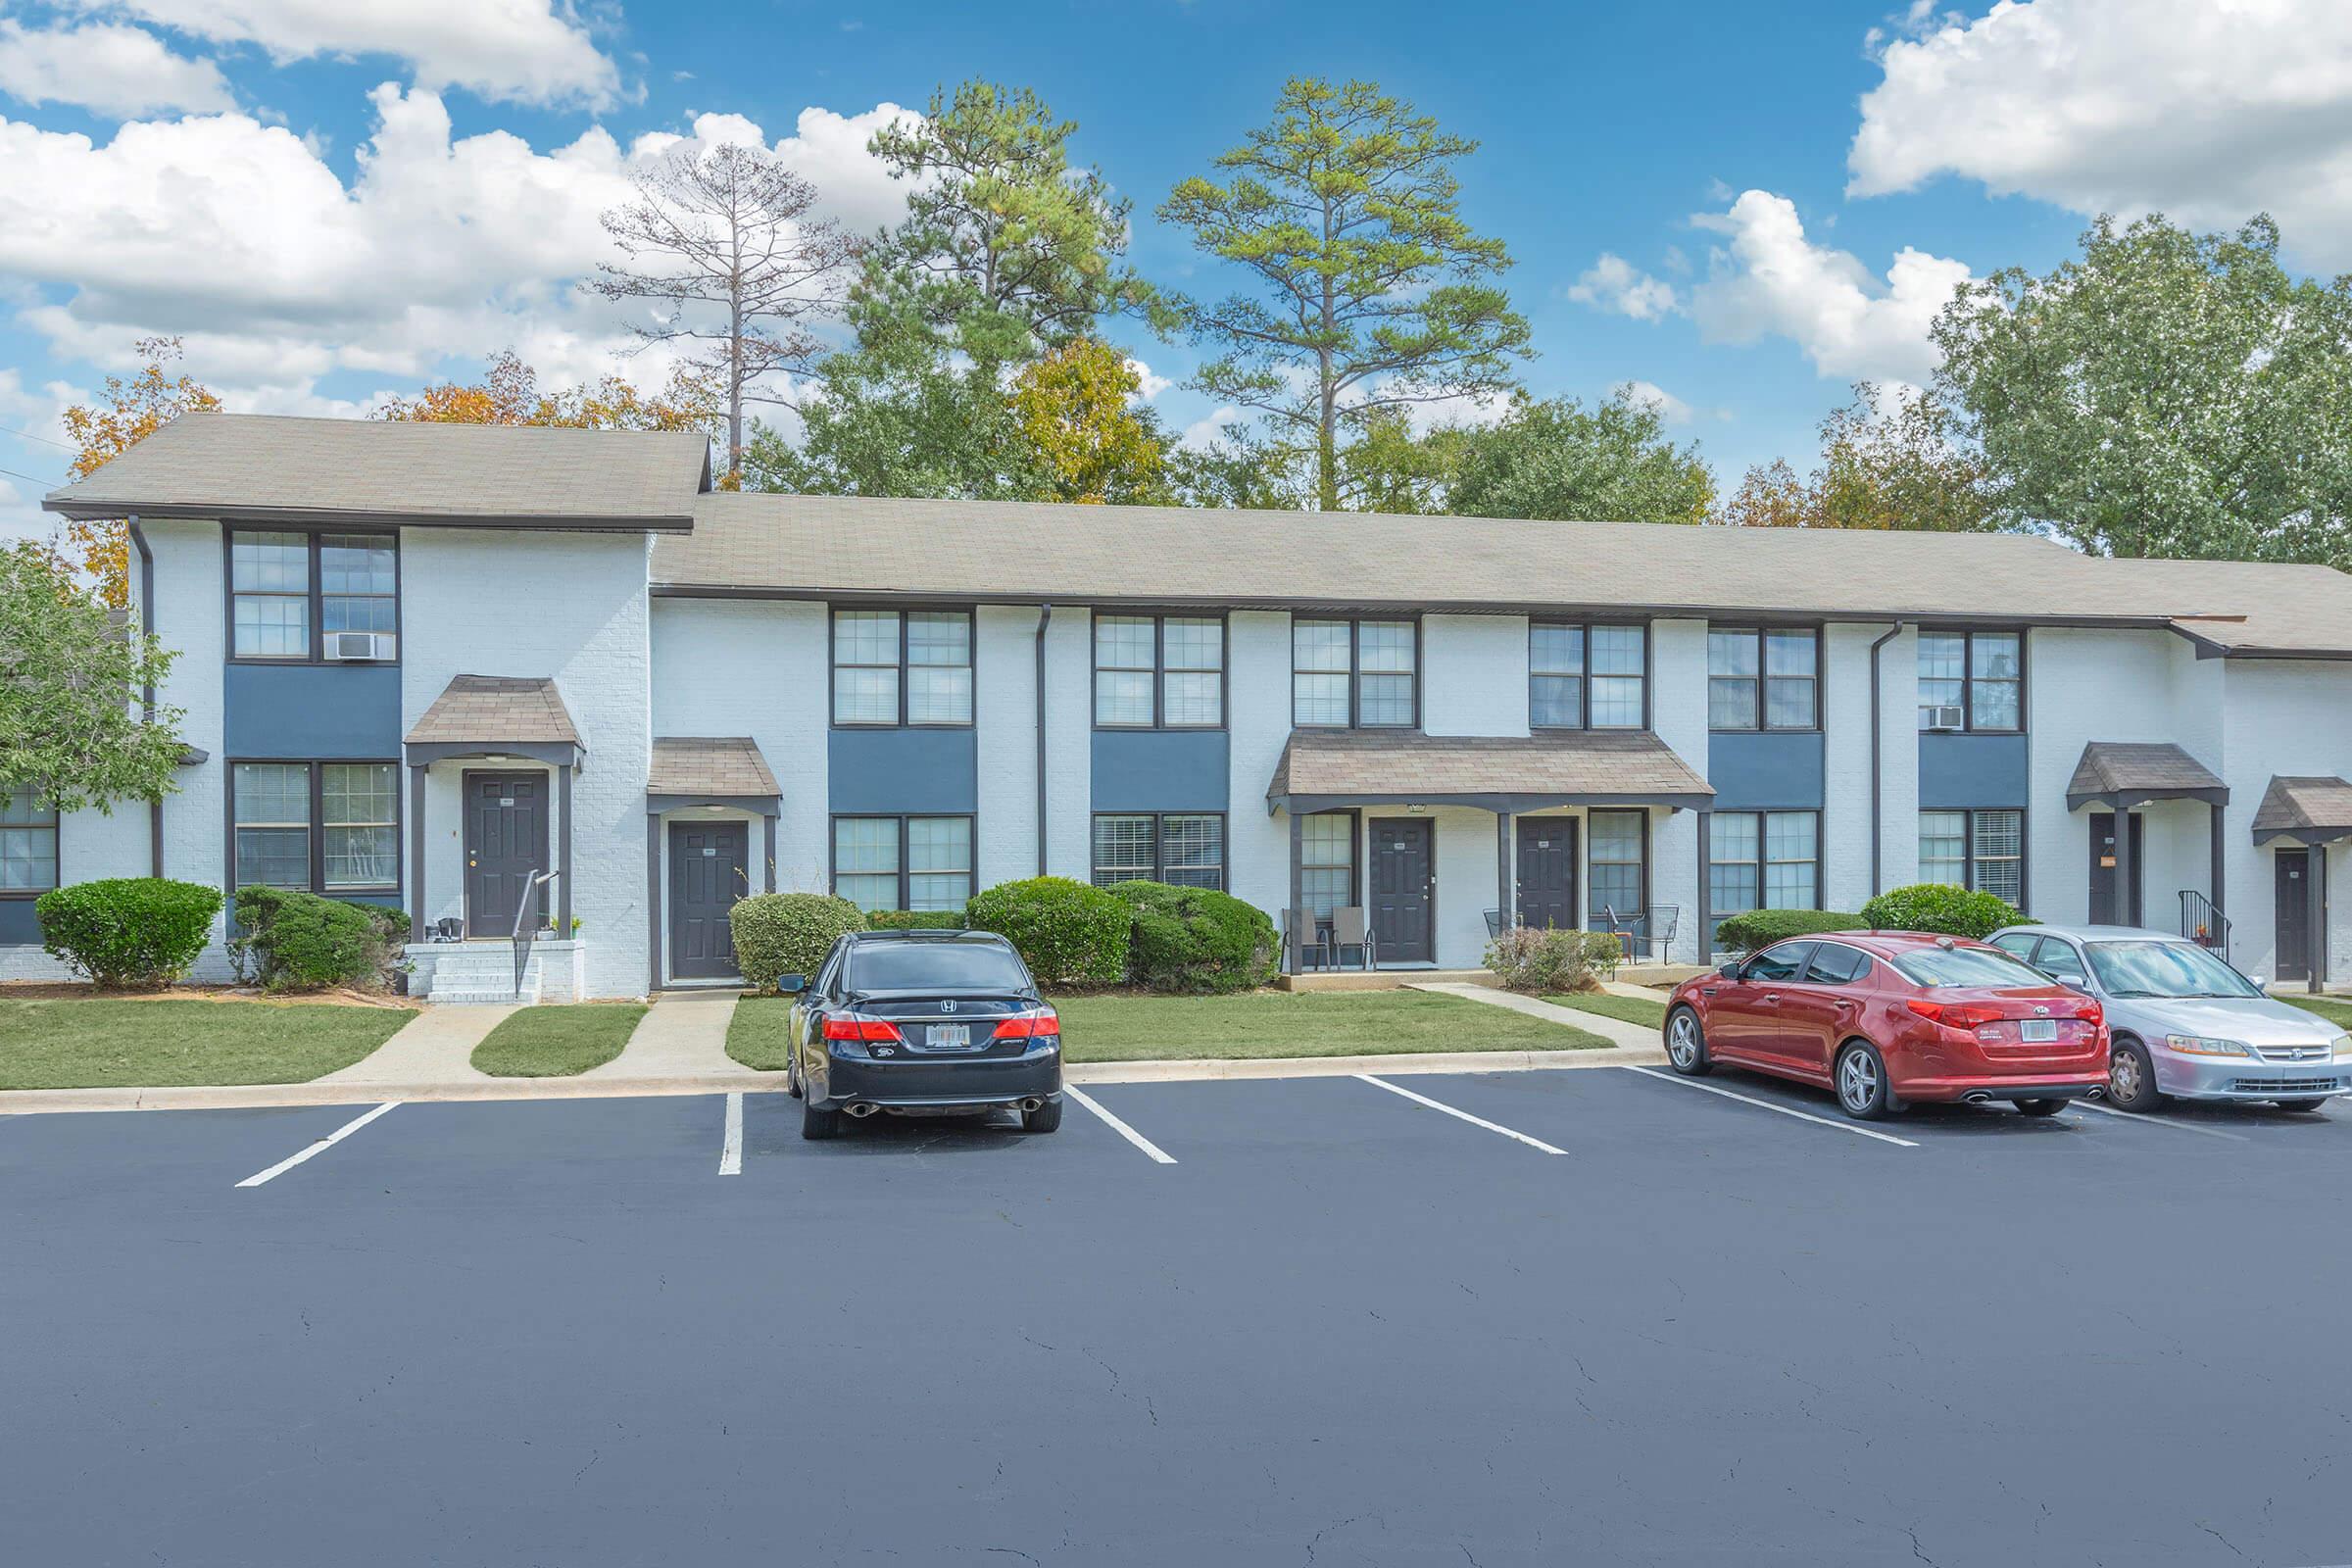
(710, 867)
(1548, 880)
(505, 841)
(1403, 883)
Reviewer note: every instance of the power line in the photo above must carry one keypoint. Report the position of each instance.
(26, 477)
(61, 446)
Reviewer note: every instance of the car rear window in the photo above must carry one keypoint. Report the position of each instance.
(1965, 966)
(934, 965)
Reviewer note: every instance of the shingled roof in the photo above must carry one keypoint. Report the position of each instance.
(2312, 807)
(708, 764)
(496, 711)
(1495, 772)
(2140, 771)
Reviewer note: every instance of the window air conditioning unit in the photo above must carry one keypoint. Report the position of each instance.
(362, 647)
(1944, 716)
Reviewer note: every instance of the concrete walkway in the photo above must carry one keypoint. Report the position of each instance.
(1630, 1035)
(435, 1046)
(684, 1034)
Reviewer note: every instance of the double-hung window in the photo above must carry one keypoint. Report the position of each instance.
(902, 667)
(1762, 860)
(1619, 843)
(317, 827)
(903, 862)
(1587, 677)
(289, 591)
(1972, 680)
(1763, 680)
(1326, 861)
(1354, 674)
(1186, 848)
(27, 842)
(1981, 850)
(1159, 672)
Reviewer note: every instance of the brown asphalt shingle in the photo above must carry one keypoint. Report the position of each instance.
(2108, 767)
(496, 710)
(708, 764)
(1609, 764)
(2295, 803)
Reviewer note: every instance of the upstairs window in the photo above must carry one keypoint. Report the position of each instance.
(1354, 674)
(911, 667)
(1972, 681)
(357, 583)
(1159, 672)
(1763, 680)
(288, 591)
(1587, 677)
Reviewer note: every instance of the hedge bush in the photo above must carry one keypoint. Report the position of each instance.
(788, 933)
(1936, 907)
(1556, 959)
(1068, 933)
(915, 920)
(1196, 940)
(129, 931)
(1761, 928)
(290, 941)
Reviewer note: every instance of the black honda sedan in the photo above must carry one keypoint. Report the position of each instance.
(922, 1023)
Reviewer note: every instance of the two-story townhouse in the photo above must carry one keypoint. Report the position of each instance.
(425, 664)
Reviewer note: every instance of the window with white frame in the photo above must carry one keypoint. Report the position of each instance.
(27, 842)
(357, 583)
(1972, 680)
(359, 811)
(287, 588)
(1587, 677)
(1618, 844)
(1762, 860)
(1981, 850)
(1159, 671)
(317, 827)
(903, 862)
(1763, 679)
(897, 667)
(1186, 848)
(1326, 861)
(1356, 674)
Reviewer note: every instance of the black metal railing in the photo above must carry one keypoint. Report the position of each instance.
(527, 922)
(2202, 923)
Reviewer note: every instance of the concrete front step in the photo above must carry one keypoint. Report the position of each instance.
(442, 997)
(464, 972)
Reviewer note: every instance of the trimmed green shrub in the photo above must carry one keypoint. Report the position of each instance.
(1761, 928)
(1556, 960)
(788, 933)
(1068, 933)
(1195, 939)
(129, 931)
(1936, 907)
(291, 941)
(915, 920)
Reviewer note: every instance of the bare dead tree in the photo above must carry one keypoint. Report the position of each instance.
(723, 234)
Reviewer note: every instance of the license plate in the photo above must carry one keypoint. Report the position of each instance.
(948, 1036)
(2034, 1031)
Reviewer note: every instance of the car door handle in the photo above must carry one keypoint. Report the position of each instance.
(1772, 997)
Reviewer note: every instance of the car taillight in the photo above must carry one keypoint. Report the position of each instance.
(1952, 1015)
(1043, 1025)
(2091, 1014)
(851, 1026)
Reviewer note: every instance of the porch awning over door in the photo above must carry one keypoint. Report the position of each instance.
(2120, 773)
(496, 716)
(2305, 809)
(709, 771)
(1324, 769)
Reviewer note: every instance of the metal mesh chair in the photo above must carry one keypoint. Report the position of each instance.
(1350, 928)
(1300, 933)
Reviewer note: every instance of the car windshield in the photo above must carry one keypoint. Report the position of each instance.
(2164, 969)
(1966, 966)
(935, 966)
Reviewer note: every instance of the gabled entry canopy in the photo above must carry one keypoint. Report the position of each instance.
(709, 771)
(1325, 770)
(2120, 773)
(496, 716)
(2304, 808)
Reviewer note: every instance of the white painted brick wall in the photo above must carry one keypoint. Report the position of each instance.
(1258, 844)
(1005, 712)
(1476, 669)
(1678, 714)
(2281, 717)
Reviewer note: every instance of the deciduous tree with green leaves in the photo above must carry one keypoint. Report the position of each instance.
(2163, 394)
(72, 671)
(1889, 458)
(1556, 459)
(1075, 410)
(1374, 293)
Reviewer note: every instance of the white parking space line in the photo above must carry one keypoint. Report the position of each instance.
(2162, 1121)
(1461, 1115)
(1149, 1147)
(1800, 1115)
(730, 1147)
(323, 1144)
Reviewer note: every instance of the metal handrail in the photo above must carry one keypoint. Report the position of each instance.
(2202, 923)
(526, 926)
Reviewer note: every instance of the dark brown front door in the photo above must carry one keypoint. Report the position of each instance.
(709, 865)
(505, 841)
(2293, 910)
(1548, 879)
(1404, 885)
(2103, 911)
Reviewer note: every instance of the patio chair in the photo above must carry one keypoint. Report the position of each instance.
(1663, 919)
(1350, 929)
(1625, 928)
(1300, 933)
(1494, 924)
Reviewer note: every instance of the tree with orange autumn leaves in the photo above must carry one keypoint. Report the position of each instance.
(508, 393)
(131, 409)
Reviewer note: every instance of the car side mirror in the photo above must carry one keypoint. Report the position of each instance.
(2256, 981)
(791, 984)
(1729, 969)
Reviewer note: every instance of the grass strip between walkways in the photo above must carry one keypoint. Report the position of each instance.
(103, 1043)
(760, 1034)
(558, 1040)
(1610, 1004)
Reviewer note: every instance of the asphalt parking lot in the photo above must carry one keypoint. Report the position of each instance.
(1593, 1317)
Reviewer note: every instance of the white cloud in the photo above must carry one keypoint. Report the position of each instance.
(1150, 385)
(1613, 283)
(1769, 279)
(237, 236)
(1671, 409)
(533, 51)
(115, 69)
(2207, 109)
(1206, 430)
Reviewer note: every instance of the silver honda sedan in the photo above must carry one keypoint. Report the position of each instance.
(2186, 1024)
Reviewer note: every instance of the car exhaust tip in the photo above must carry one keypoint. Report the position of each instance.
(1031, 1103)
(1978, 1097)
(862, 1112)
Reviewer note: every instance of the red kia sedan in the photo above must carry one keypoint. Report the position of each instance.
(1886, 1017)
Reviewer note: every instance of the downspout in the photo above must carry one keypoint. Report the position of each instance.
(1877, 771)
(1045, 618)
(155, 807)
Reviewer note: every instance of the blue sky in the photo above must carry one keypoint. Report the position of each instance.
(1743, 207)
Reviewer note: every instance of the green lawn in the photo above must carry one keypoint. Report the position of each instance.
(1297, 1023)
(100, 1044)
(2339, 1013)
(756, 1035)
(1626, 1010)
(558, 1040)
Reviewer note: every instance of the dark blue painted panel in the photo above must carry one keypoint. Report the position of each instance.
(312, 711)
(1762, 770)
(1956, 771)
(19, 924)
(895, 770)
(1161, 770)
